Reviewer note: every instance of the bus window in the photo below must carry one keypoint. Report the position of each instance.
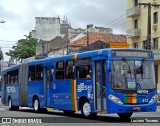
(49, 77)
(16, 76)
(70, 69)
(84, 72)
(39, 73)
(8, 78)
(32, 73)
(12, 77)
(60, 70)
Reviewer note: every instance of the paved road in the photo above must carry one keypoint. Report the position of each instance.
(63, 120)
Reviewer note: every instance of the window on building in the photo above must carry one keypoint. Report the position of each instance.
(155, 17)
(135, 3)
(135, 45)
(145, 44)
(136, 23)
(155, 43)
(60, 70)
(70, 69)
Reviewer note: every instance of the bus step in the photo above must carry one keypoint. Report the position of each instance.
(100, 112)
(49, 109)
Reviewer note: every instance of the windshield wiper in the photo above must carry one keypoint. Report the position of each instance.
(142, 67)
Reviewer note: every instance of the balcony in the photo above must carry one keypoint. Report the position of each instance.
(134, 32)
(157, 54)
(135, 11)
(154, 26)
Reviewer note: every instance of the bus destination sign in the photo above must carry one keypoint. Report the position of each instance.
(135, 53)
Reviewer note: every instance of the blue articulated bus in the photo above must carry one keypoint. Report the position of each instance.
(108, 81)
(0, 87)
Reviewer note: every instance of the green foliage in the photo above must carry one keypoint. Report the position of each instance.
(25, 48)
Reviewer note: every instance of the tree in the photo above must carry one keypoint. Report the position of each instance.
(25, 48)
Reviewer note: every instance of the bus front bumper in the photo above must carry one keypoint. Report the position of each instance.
(127, 108)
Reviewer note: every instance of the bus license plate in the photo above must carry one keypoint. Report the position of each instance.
(136, 108)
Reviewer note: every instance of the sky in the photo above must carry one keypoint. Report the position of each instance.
(20, 16)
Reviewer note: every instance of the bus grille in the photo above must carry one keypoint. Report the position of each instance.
(130, 99)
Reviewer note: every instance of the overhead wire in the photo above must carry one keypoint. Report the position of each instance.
(114, 20)
(118, 24)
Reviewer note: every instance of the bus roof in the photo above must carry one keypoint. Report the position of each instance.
(10, 68)
(79, 55)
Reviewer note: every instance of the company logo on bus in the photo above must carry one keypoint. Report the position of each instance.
(82, 87)
(142, 91)
(11, 89)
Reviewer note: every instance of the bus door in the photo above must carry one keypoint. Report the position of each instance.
(49, 76)
(100, 85)
(3, 95)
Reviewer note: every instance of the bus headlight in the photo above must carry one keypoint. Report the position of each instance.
(155, 97)
(115, 99)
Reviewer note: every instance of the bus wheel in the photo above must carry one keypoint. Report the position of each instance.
(10, 105)
(86, 110)
(68, 112)
(125, 115)
(36, 105)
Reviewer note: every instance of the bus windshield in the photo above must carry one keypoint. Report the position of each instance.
(132, 75)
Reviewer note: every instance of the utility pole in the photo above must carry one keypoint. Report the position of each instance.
(149, 6)
(67, 46)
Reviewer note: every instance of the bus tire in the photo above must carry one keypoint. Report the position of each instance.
(86, 110)
(10, 104)
(68, 112)
(11, 107)
(125, 115)
(36, 105)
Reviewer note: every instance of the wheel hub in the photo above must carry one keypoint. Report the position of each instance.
(36, 105)
(86, 109)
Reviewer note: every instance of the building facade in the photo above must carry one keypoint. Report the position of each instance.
(75, 34)
(47, 28)
(43, 47)
(111, 40)
(137, 26)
